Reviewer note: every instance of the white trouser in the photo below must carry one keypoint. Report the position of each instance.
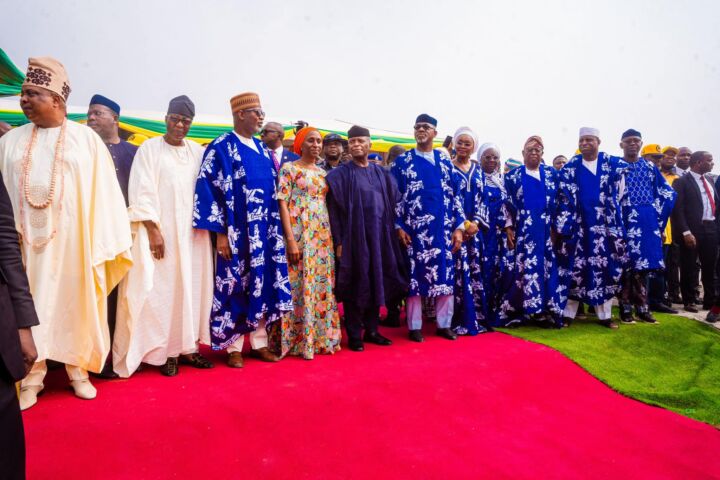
(603, 311)
(258, 339)
(444, 308)
(39, 370)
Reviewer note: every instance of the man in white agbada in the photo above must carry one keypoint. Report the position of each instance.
(75, 232)
(165, 300)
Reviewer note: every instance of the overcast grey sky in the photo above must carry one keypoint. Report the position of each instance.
(508, 69)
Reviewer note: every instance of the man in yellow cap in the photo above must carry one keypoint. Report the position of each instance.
(236, 198)
(75, 231)
(652, 153)
(671, 287)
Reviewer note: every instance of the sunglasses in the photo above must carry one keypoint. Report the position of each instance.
(257, 111)
(175, 119)
(423, 126)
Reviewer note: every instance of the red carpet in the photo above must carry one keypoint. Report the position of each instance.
(486, 407)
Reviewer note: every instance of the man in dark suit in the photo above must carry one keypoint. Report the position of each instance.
(697, 226)
(272, 136)
(17, 349)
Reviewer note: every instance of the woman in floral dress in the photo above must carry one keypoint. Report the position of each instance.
(314, 325)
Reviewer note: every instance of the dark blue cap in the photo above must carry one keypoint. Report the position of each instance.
(375, 156)
(332, 137)
(425, 118)
(100, 100)
(630, 133)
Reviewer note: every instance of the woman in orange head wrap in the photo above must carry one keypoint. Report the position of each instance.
(313, 326)
(300, 139)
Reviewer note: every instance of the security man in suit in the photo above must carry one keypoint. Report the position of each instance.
(272, 136)
(17, 349)
(696, 225)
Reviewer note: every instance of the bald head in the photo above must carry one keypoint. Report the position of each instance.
(682, 159)
(272, 135)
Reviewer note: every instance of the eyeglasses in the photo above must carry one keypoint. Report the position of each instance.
(257, 111)
(424, 126)
(175, 119)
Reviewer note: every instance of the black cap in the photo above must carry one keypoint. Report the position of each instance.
(332, 137)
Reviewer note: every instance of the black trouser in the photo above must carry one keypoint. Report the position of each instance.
(672, 270)
(706, 251)
(112, 300)
(633, 291)
(12, 435)
(357, 317)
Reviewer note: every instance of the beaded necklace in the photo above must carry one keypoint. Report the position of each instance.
(39, 197)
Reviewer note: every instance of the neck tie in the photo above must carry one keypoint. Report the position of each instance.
(709, 194)
(275, 160)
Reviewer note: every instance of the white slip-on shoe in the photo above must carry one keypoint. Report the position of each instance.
(28, 396)
(84, 389)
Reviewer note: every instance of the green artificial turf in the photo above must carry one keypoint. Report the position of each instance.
(675, 365)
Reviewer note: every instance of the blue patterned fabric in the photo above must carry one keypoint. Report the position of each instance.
(536, 289)
(590, 222)
(494, 245)
(646, 205)
(235, 195)
(469, 316)
(429, 210)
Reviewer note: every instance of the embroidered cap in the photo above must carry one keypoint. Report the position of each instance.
(244, 101)
(48, 73)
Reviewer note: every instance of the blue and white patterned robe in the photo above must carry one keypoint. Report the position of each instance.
(590, 222)
(646, 205)
(235, 195)
(469, 318)
(537, 288)
(429, 210)
(494, 241)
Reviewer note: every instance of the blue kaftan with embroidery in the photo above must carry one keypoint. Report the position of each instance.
(494, 244)
(590, 222)
(468, 318)
(429, 210)
(646, 205)
(536, 288)
(235, 195)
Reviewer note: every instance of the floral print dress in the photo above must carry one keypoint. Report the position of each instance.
(314, 325)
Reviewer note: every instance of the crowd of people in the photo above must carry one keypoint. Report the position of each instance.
(138, 255)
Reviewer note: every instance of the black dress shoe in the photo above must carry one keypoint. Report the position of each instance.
(676, 299)
(661, 308)
(627, 318)
(170, 369)
(446, 333)
(377, 339)
(416, 336)
(356, 345)
(196, 360)
(647, 317)
(691, 308)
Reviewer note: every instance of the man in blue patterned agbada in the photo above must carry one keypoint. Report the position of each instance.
(235, 197)
(429, 223)
(589, 220)
(646, 203)
(536, 293)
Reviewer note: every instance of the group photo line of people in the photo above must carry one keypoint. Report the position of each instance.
(118, 256)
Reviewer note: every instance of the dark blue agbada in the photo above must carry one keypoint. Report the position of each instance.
(361, 203)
